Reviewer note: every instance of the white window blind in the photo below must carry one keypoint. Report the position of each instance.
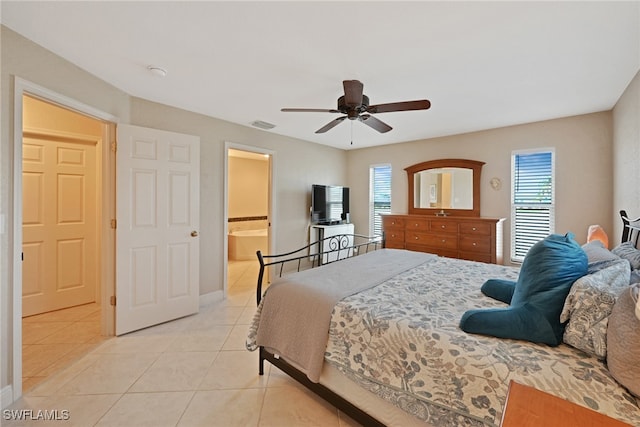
(532, 201)
(379, 196)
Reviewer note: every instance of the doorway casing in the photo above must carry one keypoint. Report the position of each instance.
(107, 242)
(271, 199)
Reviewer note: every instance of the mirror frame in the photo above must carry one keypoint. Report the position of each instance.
(474, 165)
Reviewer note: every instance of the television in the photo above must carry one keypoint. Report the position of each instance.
(329, 204)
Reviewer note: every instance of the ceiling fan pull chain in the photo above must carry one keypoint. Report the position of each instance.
(351, 131)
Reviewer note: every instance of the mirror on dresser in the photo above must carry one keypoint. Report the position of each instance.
(445, 187)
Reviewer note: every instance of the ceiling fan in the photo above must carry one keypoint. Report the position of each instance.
(356, 107)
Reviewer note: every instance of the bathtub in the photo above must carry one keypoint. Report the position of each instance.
(243, 244)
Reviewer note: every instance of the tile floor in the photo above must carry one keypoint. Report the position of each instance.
(52, 341)
(193, 371)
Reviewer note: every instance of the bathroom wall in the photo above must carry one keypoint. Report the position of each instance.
(248, 192)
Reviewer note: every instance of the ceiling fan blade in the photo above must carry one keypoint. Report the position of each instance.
(352, 92)
(331, 124)
(308, 110)
(374, 123)
(422, 104)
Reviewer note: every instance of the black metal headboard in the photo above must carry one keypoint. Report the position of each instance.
(630, 229)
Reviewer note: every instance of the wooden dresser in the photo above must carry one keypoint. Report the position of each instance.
(471, 238)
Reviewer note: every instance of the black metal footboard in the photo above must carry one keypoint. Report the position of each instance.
(324, 251)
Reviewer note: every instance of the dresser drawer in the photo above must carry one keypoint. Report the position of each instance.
(475, 244)
(441, 241)
(417, 224)
(444, 226)
(475, 228)
(392, 222)
(394, 237)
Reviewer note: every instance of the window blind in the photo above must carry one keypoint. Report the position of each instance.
(532, 207)
(379, 196)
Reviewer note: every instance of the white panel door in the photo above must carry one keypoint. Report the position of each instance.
(59, 227)
(157, 244)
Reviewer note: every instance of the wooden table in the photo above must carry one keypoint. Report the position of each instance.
(528, 407)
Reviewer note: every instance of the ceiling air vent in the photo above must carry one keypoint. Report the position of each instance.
(262, 125)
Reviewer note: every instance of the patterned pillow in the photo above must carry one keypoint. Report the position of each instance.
(628, 251)
(623, 340)
(588, 306)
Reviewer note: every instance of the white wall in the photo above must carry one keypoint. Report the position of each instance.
(583, 147)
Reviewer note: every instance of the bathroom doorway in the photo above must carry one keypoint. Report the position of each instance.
(248, 214)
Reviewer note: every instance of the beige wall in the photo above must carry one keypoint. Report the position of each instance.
(583, 146)
(248, 187)
(38, 114)
(626, 159)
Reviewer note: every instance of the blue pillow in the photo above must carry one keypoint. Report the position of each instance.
(548, 271)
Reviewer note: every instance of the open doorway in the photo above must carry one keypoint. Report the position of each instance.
(62, 206)
(248, 216)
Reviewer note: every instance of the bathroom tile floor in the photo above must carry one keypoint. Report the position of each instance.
(192, 371)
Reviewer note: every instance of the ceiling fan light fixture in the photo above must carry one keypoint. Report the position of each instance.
(262, 124)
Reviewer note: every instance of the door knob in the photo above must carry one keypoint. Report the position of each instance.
(194, 233)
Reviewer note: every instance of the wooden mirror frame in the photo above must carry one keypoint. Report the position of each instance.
(474, 165)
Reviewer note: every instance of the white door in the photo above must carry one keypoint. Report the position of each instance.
(157, 244)
(59, 227)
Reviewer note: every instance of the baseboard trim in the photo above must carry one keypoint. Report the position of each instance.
(6, 396)
(211, 297)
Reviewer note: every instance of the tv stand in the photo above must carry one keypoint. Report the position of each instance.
(320, 232)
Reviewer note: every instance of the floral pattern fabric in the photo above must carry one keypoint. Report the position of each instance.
(401, 341)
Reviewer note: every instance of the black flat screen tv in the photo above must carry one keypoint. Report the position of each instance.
(329, 204)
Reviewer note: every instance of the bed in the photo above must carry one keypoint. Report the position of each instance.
(377, 335)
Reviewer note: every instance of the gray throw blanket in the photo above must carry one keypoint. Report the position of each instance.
(294, 315)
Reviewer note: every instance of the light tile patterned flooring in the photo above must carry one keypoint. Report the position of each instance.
(193, 371)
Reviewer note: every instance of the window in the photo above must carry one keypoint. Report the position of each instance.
(379, 196)
(532, 199)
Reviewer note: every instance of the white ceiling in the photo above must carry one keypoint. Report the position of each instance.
(481, 64)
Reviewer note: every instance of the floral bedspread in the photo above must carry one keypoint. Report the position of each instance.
(401, 341)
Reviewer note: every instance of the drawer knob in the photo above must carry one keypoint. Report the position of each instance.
(474, 243)
(443, 226)
(416, 237)
(443, 240)
(474, 229)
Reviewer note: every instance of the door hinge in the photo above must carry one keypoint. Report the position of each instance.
(114, 224)
(114, 147)
(112, 300)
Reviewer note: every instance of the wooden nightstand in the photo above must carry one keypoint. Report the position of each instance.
(528, 407)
